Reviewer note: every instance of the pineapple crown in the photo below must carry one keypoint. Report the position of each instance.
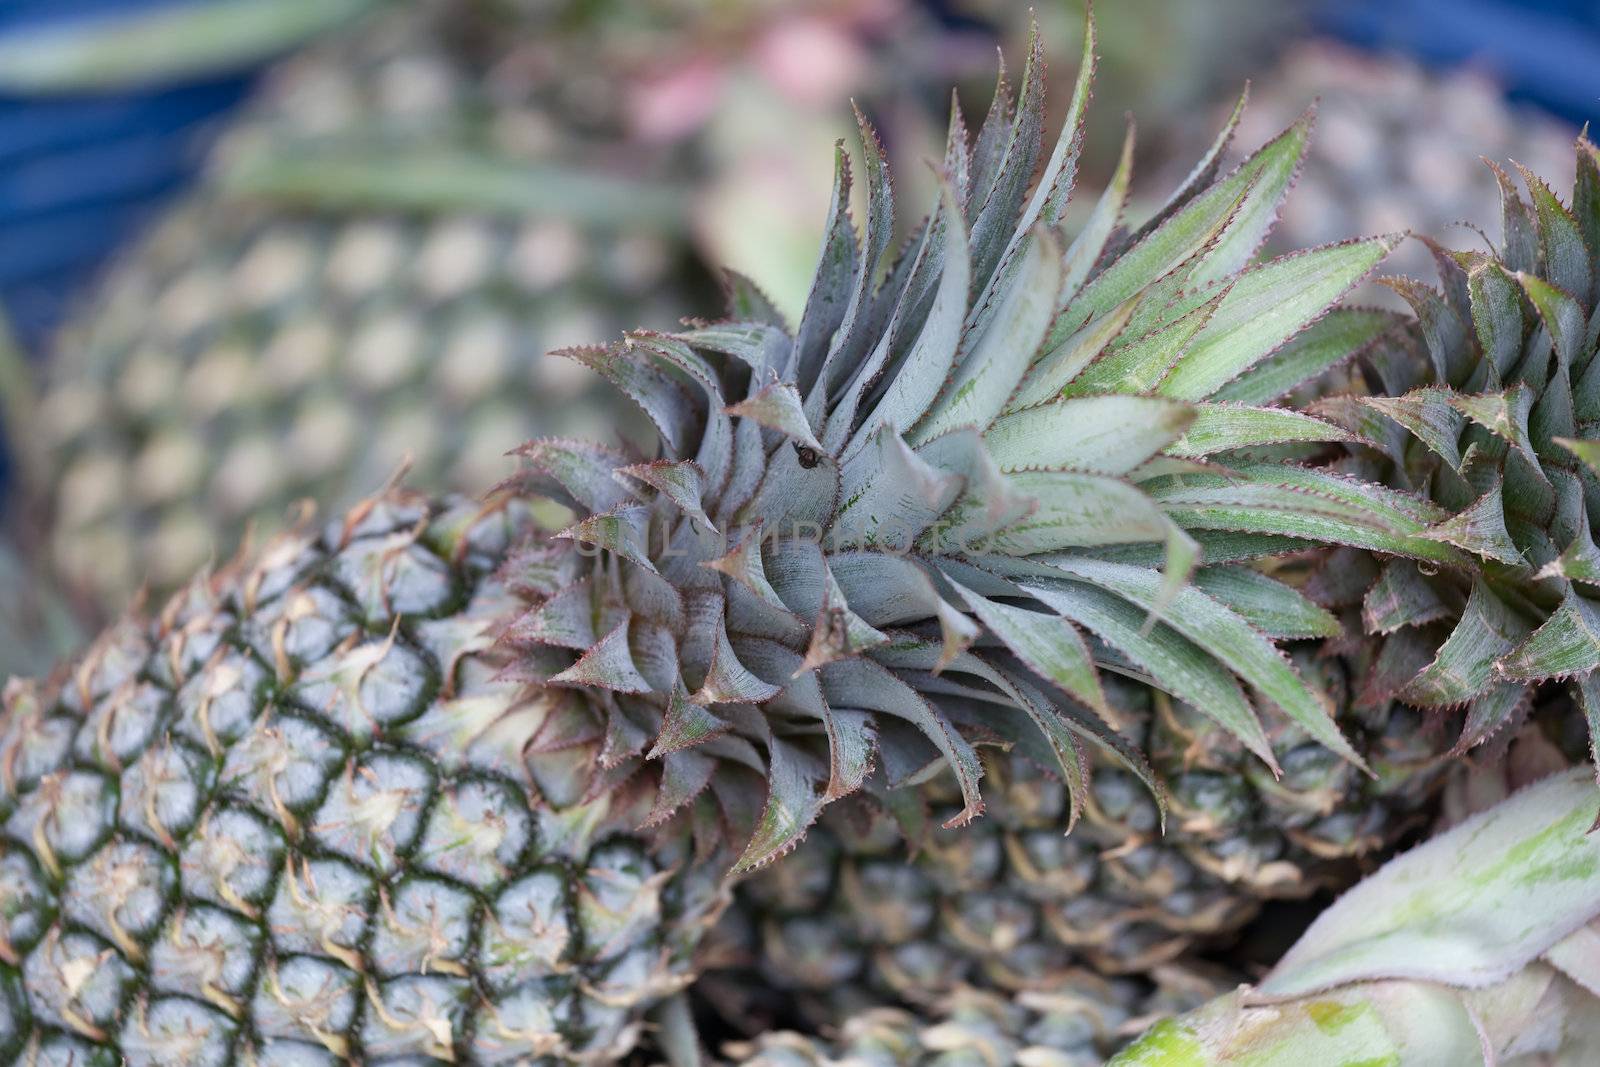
(1486, 416)
(927, 517)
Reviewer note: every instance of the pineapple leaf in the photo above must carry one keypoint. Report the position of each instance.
(1456, 914)
(1176, 663)
(1304, 504)
(1465, 664)
(1223, 427)
(1099, 434)
(1050, 646)
(991, 368)
(1227, 637)
(1268, 605)
(1568, 643)
(1267, 306)
(1567, 262)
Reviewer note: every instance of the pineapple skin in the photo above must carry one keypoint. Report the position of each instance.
(1010, 903)
(1078, 1023)
(300, 818)
(252, 352)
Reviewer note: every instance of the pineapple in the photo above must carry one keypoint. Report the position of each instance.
(1483, 414)
(1397, 146)
(253, 351)
(406, 216)
(441, 783)
(1010, 904)
(292, 820)
(1076, 1024)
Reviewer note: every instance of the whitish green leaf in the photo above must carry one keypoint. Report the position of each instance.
(1221, 427)
(1173, 662)
(1464, 666)
(583, 469)
(927, 366)
(1076, 510)
(862, 684)
(1428, 414)
(989, 501)
(1562, 316)
(1488, 712)
(832, 285)
(681, 482)
(1336, 337)
(1307, 504)
(624, 531)
(1480, 529)
(1567, 262)
(1228, 638)
(1496, 313)
(1402, 596)
(777, 406)
(1101, 434)
(1096, 231)
(1266, 307)
(1054, 186)
(1137, 365)
(889, 495)
(685, 725)
(1195, 227)
(1568, 643)
(793, 801)
(657, 393)
(1201, 176)
(856, 330)
(1253, 220)
(1267, 604)
(995, 225)
(1059, 365)
(747, 303)
(1471, 906)
(1050, 646)
(891, 590)
(990, 371)
(607, 665)
(729, 681)
(1520, 247)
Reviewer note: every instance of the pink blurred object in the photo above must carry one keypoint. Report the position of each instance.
(674, 103)
(815, 62)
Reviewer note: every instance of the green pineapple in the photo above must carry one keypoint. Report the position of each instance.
(255, 349)
(438, 783)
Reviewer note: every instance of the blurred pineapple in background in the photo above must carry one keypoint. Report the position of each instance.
(409, 215)
(1397, 148)
(1158, 60)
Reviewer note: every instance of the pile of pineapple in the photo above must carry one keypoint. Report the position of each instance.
(952, 673)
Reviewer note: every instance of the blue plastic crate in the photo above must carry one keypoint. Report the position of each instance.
(1545, 52)
(80, 173)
